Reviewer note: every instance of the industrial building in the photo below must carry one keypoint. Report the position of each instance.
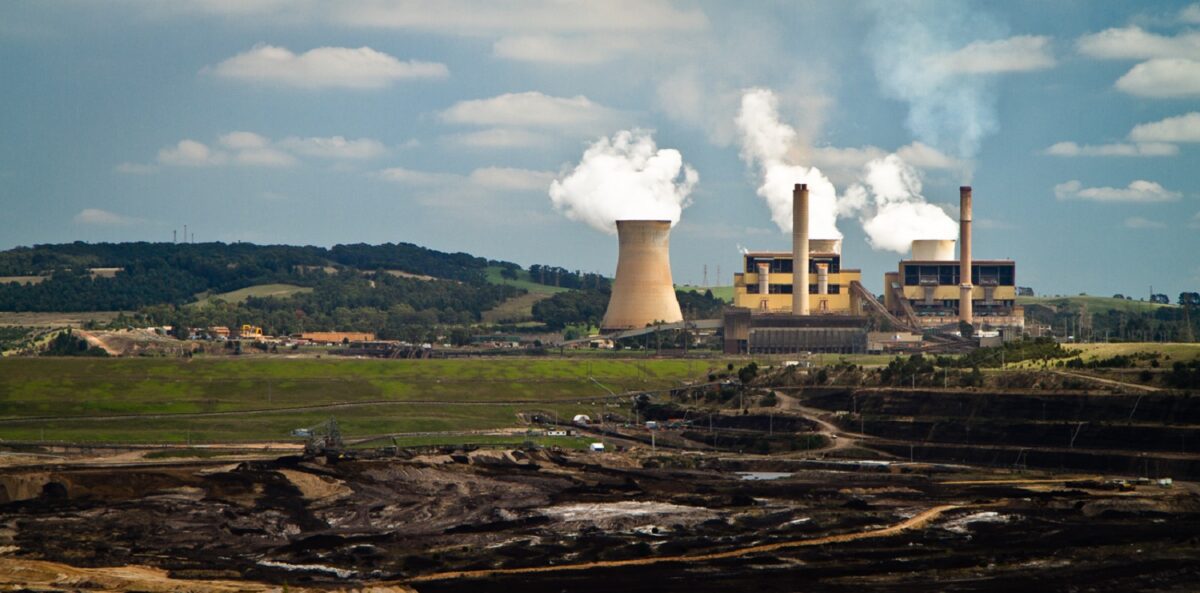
(765, 284)
(806, 301)
(934, 288)
(774, 313)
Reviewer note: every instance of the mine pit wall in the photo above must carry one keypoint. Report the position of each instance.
(21, 484)
(1076, 431)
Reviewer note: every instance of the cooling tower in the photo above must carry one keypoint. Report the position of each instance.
(642, 292)
(933, 250)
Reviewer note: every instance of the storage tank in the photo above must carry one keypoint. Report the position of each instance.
(642, 292)
(825, 246)
(933, 250)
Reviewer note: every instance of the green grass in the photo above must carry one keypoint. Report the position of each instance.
(1177, 351)
(1095, 304)
(514, 310)
(72, 389)
(577, 443)
(724, 293)
(261, 290)
(522, 281)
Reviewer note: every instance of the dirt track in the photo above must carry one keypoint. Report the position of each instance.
(915, 522)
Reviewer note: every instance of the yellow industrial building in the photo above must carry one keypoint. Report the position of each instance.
(765, 283)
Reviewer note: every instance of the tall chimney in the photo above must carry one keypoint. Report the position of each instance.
(642, 292)
(965, 310)
(800, 249)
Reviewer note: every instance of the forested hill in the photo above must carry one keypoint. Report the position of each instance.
(128, 276)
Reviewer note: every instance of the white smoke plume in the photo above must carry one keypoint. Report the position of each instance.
(773, 147)
(626, 177)
(948, 109)
(892, 210)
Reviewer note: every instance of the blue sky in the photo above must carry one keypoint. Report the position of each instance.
(444, 123)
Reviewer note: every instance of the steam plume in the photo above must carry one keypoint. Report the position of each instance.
(891, 208)
(947, 110)
(626, 177)
(771, 146)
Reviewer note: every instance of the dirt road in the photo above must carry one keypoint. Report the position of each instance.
(916, 522)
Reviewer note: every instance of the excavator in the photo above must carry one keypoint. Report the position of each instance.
(323, 438)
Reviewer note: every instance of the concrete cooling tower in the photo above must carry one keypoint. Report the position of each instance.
(642, 292)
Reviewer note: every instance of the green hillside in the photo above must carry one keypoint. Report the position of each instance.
(260, 290)
(724, 293)
(1095, 304)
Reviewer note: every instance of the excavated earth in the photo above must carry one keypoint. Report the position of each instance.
(542, 521)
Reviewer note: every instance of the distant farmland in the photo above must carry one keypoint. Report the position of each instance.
(261, 290)
(223, 400)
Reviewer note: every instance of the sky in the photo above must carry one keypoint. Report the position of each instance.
(516, 130)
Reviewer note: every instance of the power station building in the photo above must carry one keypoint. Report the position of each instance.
(935, 289)
(765, 283)
(779, 308)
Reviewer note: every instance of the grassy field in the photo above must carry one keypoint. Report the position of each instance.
(1095, 304)
(1184, 352)
(11, 319)
(264, 399)
(514, 310)
(724, 293)
(261, 290)
(522, 281)
(22, 279)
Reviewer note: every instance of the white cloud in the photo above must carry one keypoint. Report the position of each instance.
(190, 153)
(500, 138)
(1022, 53)
(1190, 14)
(1140, 191)
(96, 216)
(1137, 222)
(474, 17)
(845, 165)
(554, 49)
(1181, 128)
(254, 150)
(323, 67)
(405, 176)
(532, 109)
(1195, 223)
(335, 147)
(923, 156)
(504, 178)
(264, 157)
(1150, 149)
(480, 181)
(1162, 78)
(242, 140)
(135, 168)
(1134, 43)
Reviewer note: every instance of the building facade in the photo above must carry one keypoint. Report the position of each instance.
(765, 283)
(929, 292)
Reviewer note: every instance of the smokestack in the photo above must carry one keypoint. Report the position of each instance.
(965, 310)
(800, 249)
(642, 292)
(822, 278)
(764, 278)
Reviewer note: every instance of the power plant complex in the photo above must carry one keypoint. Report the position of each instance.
(808, 300)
